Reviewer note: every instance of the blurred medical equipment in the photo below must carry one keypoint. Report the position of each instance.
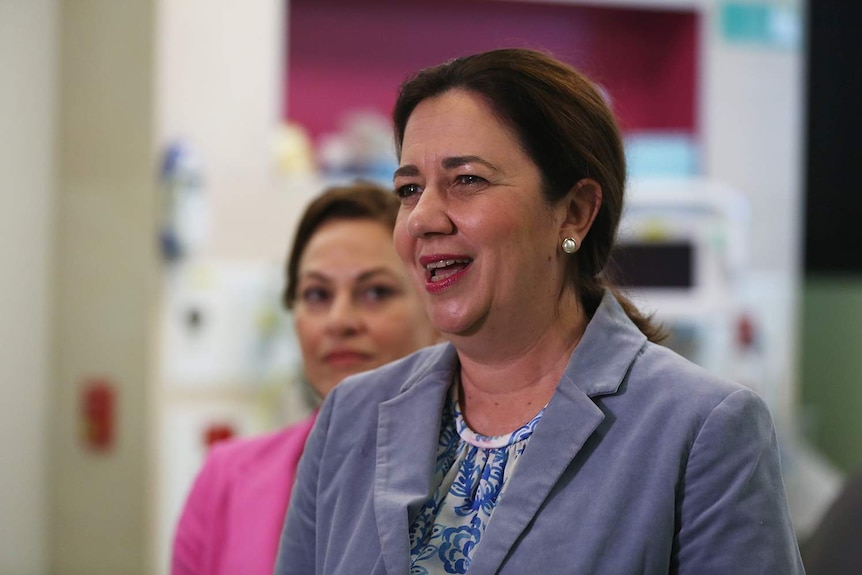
(683, 254)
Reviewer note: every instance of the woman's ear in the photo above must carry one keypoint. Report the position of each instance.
(582, 206)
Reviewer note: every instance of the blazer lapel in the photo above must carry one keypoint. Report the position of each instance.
(407, 434)
(597, 367)
(564, 429)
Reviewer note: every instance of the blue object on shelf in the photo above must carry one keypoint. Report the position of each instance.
(184, 222)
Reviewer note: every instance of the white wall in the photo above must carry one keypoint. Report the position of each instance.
(27, 71)
(752, 113)
(104, 266)
(753, 116)
(218, 76)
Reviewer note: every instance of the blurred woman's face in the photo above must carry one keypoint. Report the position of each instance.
(355, 308)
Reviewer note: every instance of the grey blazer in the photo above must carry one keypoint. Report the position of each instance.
(642, 463)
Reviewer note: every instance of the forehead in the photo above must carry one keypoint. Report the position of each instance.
(347, 247)
(457, 122)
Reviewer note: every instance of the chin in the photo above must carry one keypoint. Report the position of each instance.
(450, 327)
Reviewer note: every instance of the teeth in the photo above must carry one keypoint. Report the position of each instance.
(440, 264)
(444, 263)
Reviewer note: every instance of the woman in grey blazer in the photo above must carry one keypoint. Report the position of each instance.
(551, 434)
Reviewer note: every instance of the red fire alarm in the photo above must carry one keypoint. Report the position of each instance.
(98, 408)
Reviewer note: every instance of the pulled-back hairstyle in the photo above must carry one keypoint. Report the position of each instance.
(566, 127)
(356, 201)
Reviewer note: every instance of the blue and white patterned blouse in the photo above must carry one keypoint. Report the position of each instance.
(472, 471)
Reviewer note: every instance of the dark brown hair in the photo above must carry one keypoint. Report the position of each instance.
(566, 127)
(356, 201)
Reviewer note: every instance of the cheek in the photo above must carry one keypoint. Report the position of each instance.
(519, 238)
(403, 240)
(494, 226)
(308, 334)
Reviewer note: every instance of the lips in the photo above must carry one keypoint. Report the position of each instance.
(345, 358)
(443, 271)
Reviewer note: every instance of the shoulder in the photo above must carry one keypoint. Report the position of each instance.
(615, 353)
(660, 365)
(237, 454)
(673, 397)
(666, 373)
(370, 388)
(242, 480)
(727, 427)
(268, 457)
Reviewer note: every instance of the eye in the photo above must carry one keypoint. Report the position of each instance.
(378, 293)
(407, 191)
(470, 180)
(314, 295)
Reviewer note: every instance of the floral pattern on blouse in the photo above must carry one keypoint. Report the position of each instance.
(471, 472)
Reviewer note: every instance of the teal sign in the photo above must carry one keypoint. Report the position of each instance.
(761, 24)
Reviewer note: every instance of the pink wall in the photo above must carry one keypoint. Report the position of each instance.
(346, 54)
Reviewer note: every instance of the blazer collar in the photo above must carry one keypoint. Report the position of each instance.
(605, 353)
(406, 451)
(407, 434)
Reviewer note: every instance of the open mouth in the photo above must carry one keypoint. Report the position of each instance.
(443, 269)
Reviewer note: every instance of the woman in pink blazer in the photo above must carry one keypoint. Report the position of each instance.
(354, 309)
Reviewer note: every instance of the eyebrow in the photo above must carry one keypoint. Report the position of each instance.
(372, 273)
(458, 161)
(364, 276)
(448, 164)
(406, 171)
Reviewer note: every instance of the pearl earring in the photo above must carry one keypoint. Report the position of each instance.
(570, 245)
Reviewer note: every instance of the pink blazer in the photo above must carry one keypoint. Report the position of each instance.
(232, 519)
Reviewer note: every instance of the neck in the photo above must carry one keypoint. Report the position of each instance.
(502, 391)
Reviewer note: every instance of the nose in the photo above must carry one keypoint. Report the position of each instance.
(430, 214)
(343, 317)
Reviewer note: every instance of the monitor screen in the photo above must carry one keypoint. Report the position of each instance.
(654, 264)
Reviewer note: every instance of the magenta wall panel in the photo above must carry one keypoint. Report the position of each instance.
(344, 54)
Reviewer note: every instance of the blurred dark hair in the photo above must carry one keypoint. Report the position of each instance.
(356, 201)
(566, 127)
